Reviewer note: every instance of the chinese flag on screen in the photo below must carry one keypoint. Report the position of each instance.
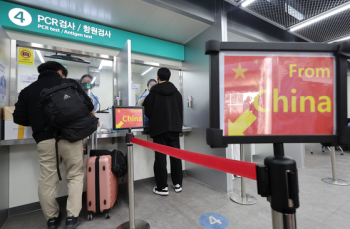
(275, 95)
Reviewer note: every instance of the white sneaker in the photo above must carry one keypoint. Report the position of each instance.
(177, 188)
(163, 192)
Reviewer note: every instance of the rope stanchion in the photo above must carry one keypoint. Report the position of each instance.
(243, 198)
(277, 179)
(240, 168)
(334, 180)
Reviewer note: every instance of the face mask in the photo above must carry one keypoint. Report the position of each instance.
(86, 86)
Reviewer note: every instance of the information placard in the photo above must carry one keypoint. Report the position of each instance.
(127, 118)
(265, 93)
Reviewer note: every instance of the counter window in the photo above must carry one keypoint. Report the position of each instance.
(98, 80)
(143, 75)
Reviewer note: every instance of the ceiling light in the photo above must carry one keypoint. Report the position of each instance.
(147, 71)
(321, 17)
(294, 13)
(341, 39)
(247, 3)
(40, 56)
(93, 80)
(105, 63)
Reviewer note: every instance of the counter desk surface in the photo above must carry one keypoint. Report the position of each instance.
(99, 136)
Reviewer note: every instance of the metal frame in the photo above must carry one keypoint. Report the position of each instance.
(127, 107)
(215, 136)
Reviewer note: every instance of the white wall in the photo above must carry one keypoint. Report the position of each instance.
(104, 91)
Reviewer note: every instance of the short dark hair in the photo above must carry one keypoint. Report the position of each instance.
(149, 81)
(86, 75)
(164, 74)
(54, 66)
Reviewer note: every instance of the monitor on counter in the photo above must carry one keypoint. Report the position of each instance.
(128, 118)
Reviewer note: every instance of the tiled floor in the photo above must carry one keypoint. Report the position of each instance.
(323, 206)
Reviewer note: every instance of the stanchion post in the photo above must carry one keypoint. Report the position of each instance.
(244, 198)
(278, 181)
(334, 179)
(132, 224)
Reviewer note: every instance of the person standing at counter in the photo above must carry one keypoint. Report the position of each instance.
(27, 113)
(142, 97)
(164, 108)
(86, 82)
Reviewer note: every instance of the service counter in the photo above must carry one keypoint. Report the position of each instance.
(99, 136)
(24, 165)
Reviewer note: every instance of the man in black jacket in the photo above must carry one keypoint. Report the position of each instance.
(163, 107)
(27, 113)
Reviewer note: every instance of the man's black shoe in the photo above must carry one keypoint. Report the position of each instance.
(72, 222)
(55, 222)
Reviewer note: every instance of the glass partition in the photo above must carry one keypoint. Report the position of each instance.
(141, 74)
(101, 73)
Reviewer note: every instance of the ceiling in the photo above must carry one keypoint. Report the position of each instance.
(131, 15)
(289, 13)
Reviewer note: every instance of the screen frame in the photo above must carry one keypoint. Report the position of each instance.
(128, 107)
(224, 54)
(340, 51)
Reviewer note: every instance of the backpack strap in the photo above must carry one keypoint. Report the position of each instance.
(57, 158)
(45, 92)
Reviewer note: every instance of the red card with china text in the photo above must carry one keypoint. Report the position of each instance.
(128, 118)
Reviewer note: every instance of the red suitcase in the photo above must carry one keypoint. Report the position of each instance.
(101, 185)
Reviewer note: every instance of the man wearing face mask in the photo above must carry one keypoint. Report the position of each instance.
(86, 82)
(142, 97)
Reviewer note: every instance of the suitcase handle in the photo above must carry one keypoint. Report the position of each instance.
(94, 140)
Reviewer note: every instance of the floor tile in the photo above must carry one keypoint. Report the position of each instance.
(322, 206)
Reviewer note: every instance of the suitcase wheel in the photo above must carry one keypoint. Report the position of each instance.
(107, 215)
(89, 217)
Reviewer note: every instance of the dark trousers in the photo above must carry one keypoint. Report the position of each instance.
(160, 170)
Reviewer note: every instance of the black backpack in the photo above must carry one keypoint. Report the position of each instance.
(118, 160)
(67, 113)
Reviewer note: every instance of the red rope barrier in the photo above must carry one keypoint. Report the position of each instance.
(240, 168)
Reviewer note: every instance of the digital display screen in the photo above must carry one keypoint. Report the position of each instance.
(264, 93)
(127, 117)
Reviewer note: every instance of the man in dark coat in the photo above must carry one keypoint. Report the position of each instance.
(164, 108)
(27, 113)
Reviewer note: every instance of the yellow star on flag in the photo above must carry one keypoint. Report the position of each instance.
(256, 61)
(262, 68)
(118, 111)
(240, 71)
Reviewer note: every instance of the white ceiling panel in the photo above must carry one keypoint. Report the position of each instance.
(159, 19)
(135, 16)
(185, 30)
(57, 5)
(109, 12)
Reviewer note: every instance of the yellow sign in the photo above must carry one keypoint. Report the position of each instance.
(25, 56)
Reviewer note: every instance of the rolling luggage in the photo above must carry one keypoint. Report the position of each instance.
(101, 185)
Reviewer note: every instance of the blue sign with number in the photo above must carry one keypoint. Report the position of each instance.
(213, 221)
